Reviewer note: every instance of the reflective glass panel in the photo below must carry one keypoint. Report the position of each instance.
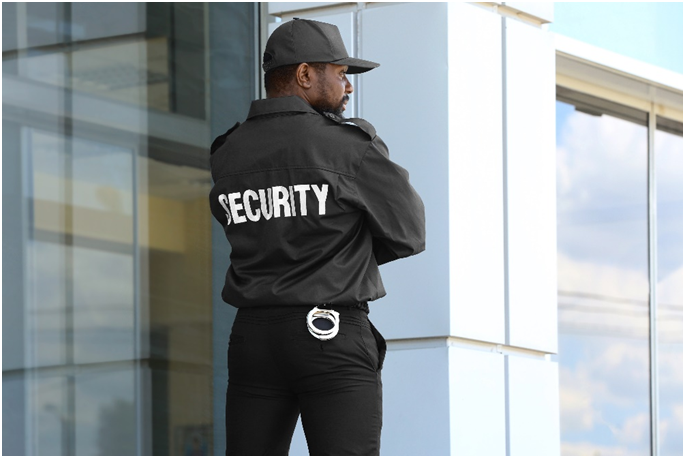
(108, 115)
(603, 283)
(669, 191)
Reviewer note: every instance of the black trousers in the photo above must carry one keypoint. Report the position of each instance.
(277, 370)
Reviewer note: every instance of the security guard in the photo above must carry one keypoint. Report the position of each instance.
(311, 205)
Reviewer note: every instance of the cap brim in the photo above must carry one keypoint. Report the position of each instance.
(355, 65)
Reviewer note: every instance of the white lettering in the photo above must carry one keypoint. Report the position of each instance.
(248, 209)
(292, 200)
(224, 203)
(302, 189)
(321, 194)
(266, 211)
(235, 206)
(272, 202)
(280, 200)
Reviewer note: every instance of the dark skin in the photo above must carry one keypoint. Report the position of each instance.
(325, 92)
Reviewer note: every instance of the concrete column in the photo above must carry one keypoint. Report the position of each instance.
(464, 98)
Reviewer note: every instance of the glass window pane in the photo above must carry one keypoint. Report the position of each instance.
(47, 304)
(50, 415)
(669, 191)
(603, 284)
(107, 122)
(103, 306)
(105, 413)
(9, 27)
(103, 177)
(13, 398)
(91, 20)
(44, 23)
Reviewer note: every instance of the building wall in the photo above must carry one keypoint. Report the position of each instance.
(465, 100)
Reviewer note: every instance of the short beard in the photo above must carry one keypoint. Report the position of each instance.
(335, 110)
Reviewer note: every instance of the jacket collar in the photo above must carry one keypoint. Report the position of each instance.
(291, 103)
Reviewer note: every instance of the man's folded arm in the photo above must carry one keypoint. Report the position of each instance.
(394, 211)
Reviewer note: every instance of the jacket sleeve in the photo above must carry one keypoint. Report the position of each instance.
(394, 211)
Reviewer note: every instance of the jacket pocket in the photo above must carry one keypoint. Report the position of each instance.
(381, 344)
(235, 344)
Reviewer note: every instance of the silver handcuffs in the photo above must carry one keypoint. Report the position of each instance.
(330, 315)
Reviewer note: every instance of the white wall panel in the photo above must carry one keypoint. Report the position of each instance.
(533, 407)
(541, 10)
(405, 99)
(475, 173)
(477, 416)
(531, 186)
(437, 101)
(277, 8)
(416, 403)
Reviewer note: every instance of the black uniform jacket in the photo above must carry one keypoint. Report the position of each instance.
(311, 206)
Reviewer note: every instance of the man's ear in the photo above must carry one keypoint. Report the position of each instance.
(303, 75)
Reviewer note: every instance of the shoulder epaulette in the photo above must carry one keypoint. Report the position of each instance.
(218, 141)
(363, 124)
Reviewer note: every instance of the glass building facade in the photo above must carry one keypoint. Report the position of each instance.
(604, 283)
(108, 113)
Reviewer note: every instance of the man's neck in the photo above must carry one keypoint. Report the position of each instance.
(299, 94)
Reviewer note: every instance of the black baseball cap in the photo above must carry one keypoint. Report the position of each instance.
(304, 40)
